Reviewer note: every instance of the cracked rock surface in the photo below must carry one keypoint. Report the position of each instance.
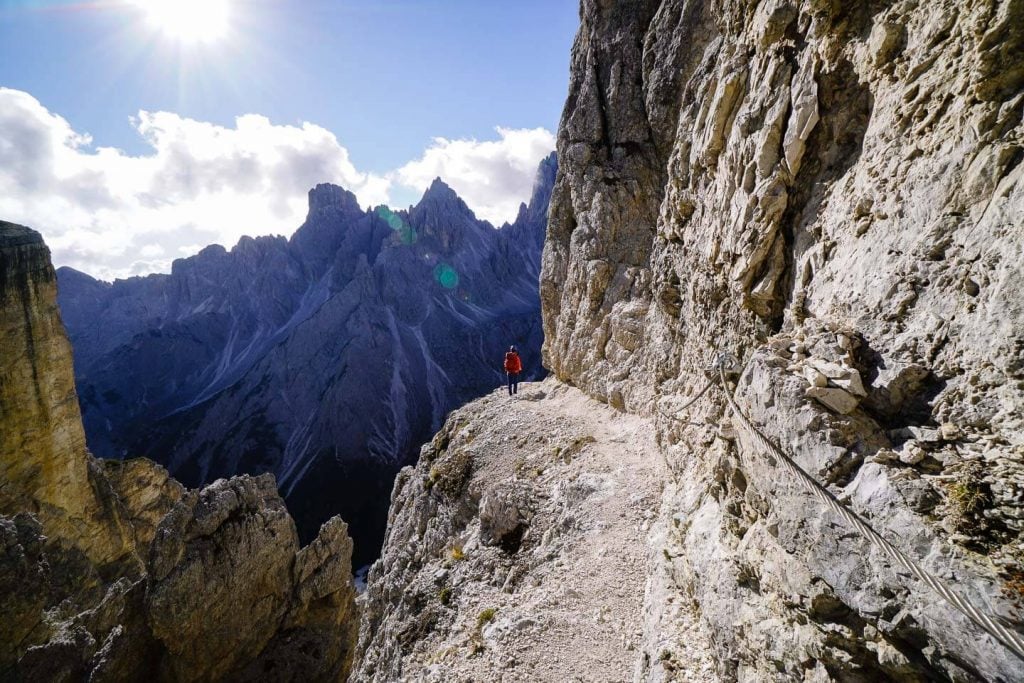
(831, 192)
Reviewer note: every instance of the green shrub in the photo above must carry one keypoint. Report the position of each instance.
(486, 616)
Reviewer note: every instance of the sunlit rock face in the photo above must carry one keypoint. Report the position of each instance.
(111, 570)
(833, 192)
(326, 359)
(44, 468)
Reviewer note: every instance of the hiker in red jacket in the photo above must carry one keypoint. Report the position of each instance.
(513, 366)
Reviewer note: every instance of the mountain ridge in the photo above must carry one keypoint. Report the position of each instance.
(399, 287)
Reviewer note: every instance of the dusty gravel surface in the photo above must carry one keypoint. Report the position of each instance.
(568, 604)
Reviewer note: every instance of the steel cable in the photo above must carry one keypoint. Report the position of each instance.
(980, 617)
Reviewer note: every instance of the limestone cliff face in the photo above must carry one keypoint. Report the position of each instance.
(113, 571)
(45, 469)
(831, 192)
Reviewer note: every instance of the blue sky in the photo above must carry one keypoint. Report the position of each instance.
(385, 79)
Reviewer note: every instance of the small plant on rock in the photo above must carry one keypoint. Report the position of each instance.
(966, 500)
(485, 617)
(966, 497)
(476, 640)
(432, 478)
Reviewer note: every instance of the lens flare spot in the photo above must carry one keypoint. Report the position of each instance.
(405, 232)
(446, 276)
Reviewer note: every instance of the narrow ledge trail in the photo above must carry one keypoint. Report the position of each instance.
(572, 602)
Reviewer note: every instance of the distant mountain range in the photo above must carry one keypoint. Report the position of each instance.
(326, 359)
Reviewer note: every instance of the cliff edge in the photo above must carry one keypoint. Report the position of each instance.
(113, 571)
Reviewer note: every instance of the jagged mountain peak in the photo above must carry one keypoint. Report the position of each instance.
(68, 273)
(328, 197)
(439, 188)
(441, 196)
(545, 178)
(540, 196)
(443, 215)
(207, 256)
(211, 251)
(247, 244)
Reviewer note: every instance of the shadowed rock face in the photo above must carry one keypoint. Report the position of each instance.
(831, 191)
(230, 589)
(112, 571)
(327, 359)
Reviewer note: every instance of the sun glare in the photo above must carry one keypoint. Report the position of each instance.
(191, 21)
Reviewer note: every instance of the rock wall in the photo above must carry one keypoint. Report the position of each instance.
(113, 571)
(45, 469)
(831, 192)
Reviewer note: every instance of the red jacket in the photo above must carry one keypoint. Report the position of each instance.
(512, 363)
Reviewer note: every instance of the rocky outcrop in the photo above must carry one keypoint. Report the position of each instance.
(227, 594)
(231, 544)
(827, 191)
(147, 493)
(45, 469)
(113, 571)
(516, 547)
(230, 589)
(321, 623)
(327, 359)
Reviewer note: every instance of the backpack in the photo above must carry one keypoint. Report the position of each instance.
(512, 363)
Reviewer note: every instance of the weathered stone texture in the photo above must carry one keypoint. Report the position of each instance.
(43, 462)
(316, 640)
(798, 184)
(147, 492)
(220, 575)
(23, 578)
(226, 593)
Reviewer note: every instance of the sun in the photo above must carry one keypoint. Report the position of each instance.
(189, 21)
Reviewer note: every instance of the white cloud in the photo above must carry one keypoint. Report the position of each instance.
(492, 177)
(113, 214)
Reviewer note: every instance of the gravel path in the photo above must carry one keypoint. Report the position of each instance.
(568, 606)
(591, 593)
